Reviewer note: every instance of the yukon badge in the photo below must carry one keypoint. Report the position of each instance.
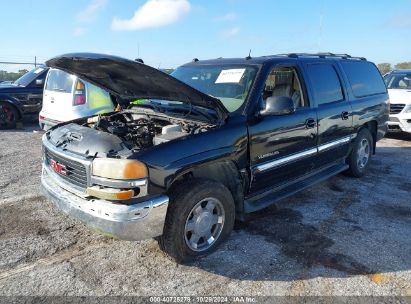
(268, 155)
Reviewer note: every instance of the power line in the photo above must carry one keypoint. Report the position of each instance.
(26, 63)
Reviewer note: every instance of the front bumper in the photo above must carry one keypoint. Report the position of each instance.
(133, 222)
(399, 122)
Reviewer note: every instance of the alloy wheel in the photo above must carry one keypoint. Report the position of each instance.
(363, 153)
(6, 115)
(204, 224)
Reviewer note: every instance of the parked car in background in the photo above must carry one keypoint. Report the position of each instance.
(213, 142)
(399, 88)
(67, 97)
(22, 97)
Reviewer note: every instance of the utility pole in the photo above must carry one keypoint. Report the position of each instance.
(35, 61)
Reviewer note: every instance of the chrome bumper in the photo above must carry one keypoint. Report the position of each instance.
(129, 222)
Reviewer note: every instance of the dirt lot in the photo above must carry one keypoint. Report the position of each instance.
(343, 237)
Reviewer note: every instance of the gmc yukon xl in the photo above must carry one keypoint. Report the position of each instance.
(213, 142)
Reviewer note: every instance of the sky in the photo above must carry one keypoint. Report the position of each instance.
(168, 33)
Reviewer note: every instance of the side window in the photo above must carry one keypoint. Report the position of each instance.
(284, 81)
(364, 78)
(325, 83)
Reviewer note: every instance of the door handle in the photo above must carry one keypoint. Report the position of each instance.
(310, 123)
(345, 115)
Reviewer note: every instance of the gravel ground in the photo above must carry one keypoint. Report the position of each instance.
(342, 237)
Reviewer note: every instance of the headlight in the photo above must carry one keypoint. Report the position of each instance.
(407, 109)
(119, 168)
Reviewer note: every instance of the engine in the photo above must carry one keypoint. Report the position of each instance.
(138, 131)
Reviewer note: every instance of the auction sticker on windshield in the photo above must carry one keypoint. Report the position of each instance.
(230, 76)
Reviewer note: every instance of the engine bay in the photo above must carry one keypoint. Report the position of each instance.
(141, 131)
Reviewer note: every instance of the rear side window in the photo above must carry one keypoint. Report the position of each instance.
(364, 78)
(325, 83)
(59, 81)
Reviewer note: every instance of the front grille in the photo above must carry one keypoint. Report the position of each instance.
(396, 108)
(75, 172)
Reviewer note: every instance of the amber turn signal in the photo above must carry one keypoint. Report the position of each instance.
(110, 194)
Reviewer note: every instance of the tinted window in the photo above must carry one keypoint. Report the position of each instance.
(59, 81)
(364, 78)
(325, 83)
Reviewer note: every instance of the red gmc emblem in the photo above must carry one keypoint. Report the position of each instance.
(59, 168)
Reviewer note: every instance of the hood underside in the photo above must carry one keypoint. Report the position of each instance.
(130, 80)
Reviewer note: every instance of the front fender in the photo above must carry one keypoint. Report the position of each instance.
(167, 162)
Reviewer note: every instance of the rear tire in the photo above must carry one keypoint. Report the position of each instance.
(200, 216)
(8, 116)
(360, 156)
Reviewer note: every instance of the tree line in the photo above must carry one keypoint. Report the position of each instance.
(11, 76)
(387, 67)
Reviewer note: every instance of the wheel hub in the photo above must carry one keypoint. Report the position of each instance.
(204, 224)
(6, 115)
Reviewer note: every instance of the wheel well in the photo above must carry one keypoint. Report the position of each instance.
(372, 127)
(225, 172)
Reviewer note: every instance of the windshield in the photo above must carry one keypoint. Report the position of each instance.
(230, 84)
(27, 78)
(398, 81)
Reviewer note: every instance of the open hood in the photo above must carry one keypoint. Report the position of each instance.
(131, 80)
(399, 96)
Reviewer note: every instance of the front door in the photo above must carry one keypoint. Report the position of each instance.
(283, 148)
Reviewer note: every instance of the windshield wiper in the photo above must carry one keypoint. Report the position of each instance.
(199, 112)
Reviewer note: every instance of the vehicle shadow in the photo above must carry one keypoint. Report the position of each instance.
(399, 136)
(339, 228)
(26, 126)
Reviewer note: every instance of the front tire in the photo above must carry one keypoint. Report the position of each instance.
(360, 156)
(200, 216)
(8, 116)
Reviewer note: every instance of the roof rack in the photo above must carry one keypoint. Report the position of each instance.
(322, 55)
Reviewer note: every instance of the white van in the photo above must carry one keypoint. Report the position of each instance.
(67, 97)
(399, 88)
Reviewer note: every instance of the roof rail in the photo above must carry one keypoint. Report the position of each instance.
(322, 55)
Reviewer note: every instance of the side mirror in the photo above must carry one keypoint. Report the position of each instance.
(39, 82)
(278, 105)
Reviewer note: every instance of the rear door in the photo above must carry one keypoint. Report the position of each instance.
(58, 95)
(283, 148)
(334, 112)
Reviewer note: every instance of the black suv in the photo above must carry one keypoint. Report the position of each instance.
(215, 141)
(22, 97)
